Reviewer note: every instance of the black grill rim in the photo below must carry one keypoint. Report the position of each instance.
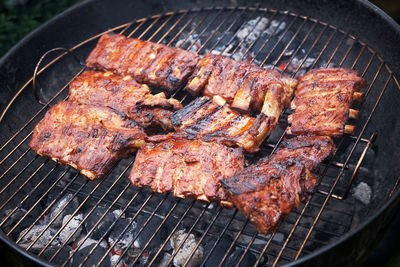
(390, 203)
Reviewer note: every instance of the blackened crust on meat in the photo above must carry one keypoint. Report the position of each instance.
(322, 101)
(126, 96)
(188, 168)
(207, 120)
(89, 138)
(147, 62)
(268, 190)
(241, 84)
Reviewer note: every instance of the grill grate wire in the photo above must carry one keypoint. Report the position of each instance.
(204, 20)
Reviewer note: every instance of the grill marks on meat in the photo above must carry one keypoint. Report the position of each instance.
(89, 138)
(147, 62)
(322, 101)
(206, 119)
(268, 190)
(125, 95)
(188, 168)
(241, 84)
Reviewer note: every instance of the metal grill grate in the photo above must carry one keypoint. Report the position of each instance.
(296, 42)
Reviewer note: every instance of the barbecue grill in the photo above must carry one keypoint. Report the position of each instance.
(53, 215)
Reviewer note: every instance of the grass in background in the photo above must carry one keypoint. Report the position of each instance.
(19, 17)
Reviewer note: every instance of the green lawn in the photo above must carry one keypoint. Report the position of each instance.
(19, 17)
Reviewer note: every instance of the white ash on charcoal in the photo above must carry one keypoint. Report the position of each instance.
(14, 219)
(93, 258)
(115, 261)
(122, 234)
(132, 254)
(163, 262)
(118, 213)
(69, 227)
(186, 249)
(103, 225)
(252, 29)
(294, 64)
(228, 41)
(61, 256)
(363, 192)
(275, 27)
(67, 204)
(148, 231)
(28, 236)
(132, 257)
(88, 242)
(191, 41)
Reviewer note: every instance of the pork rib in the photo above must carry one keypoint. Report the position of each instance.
(89, 138)
(188, 168)
(268, 190)
(241, 84)
(206, 119)
(125, 95)
(147, 62)
(322, 102)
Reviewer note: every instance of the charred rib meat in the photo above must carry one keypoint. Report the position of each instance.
(188, 168)
(147, 62)
(241, 84)
(322, 102)
(125, 95)
(268, 190)
(88, 138)
(207, 119)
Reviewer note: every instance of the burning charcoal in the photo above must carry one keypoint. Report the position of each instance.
(362, 192)
(164, 261)
(252, 29)
(186, 249)
(14, 219)
(117, 214)
(275, 27)
(295, 63)
(93, 259)
(104, 223)
(114, 259)
(61, 256)
(43, 240)
(255, 34)
(126, 238)
(61, 205)
(71, 226)
(89, 242)
(224, 40)
(131, 255)
(248, 260)
(186, 42)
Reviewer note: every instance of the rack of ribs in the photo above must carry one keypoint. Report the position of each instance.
(88, 138)
(147, 62)
(322, 102)
(214, 120)
(124, 95)
(268, 190)
(241, 84)
(188, 168)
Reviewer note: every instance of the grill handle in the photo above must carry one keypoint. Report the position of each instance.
(35, 73)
